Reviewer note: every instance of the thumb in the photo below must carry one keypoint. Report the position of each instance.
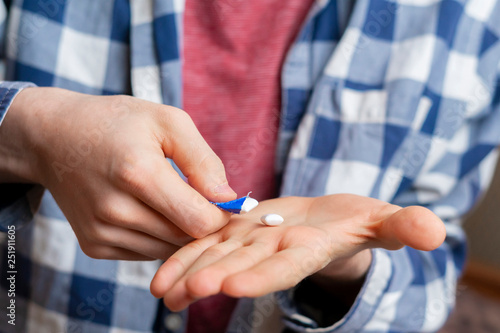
(413, 226)
(197, 161)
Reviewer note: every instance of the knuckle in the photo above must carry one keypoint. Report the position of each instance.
(204, 226)
(92, 250)
(120, 103)
(196, 224)
(217, 220)
(131, 172)
(90, 233)
(248, 254)
(172, 117)
(214, 165)
(180, 115)
(214, 252)
(194, 246)
(177, 237)
(94, 234)
(174, 261)
(114, 211)
(199, 230)
(205, 161)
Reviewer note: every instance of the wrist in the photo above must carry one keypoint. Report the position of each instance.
(347, 269)
(327, 295)
(17, 144)
(344, 278)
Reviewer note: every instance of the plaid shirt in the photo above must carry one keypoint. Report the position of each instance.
(397, 100)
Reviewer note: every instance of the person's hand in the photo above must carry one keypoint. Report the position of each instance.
(248, 259)
(103, 160)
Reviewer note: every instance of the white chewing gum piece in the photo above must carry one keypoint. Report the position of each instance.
(249, 204)
(272, 219)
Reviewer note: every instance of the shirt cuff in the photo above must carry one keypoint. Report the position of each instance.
(376, 282)
(9, 91)
(19, 208)
(18, 202)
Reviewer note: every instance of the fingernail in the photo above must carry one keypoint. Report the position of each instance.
(224, 189)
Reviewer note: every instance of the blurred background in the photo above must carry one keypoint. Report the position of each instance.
(478, 292)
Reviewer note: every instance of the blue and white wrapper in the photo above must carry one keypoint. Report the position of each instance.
(238, 206)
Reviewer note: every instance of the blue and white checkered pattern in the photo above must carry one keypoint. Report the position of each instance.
(397, 100)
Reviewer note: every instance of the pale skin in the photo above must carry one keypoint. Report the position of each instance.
(103, 160)
(327, 237)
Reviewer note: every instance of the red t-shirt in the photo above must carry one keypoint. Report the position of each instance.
(233, 54)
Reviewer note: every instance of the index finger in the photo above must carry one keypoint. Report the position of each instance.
(155, 182)
(184, 144)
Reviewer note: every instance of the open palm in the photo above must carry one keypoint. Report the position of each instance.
(247, 259)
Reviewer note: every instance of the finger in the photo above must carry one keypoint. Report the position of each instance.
(127, 211)
(209, 256)
(178, 297)
(178, 264)
(159, 186)
(135, 241)
(197, 161)
(413, 226)
(177, 300)
(281, 271)
(115, 253)
(214, 254)
(208, 280)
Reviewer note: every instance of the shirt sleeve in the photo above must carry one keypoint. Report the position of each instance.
(414, 291)
(18, 202)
